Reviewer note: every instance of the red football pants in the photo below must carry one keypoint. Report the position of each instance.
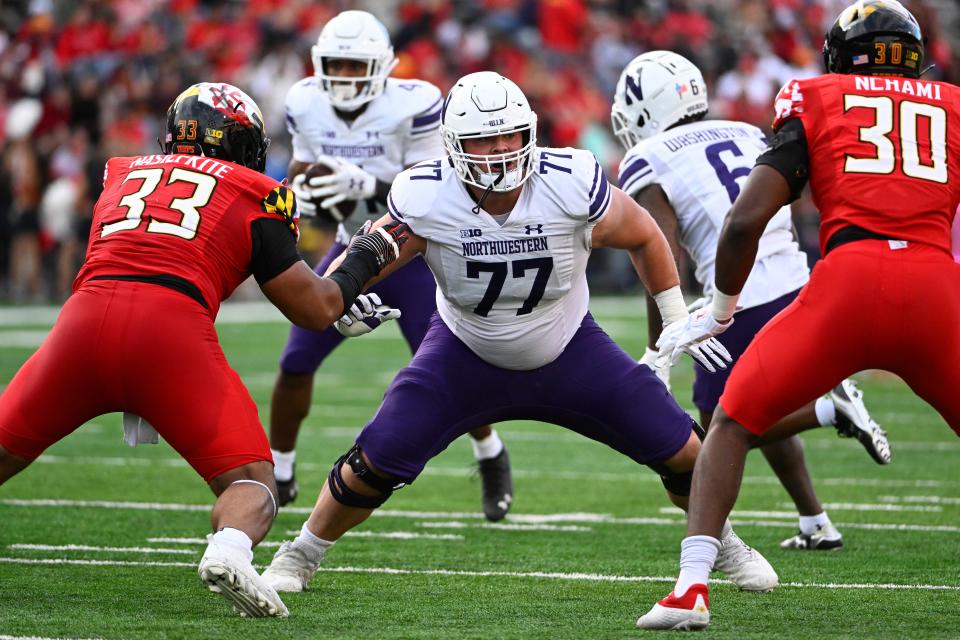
(867, 306)
(140, 348)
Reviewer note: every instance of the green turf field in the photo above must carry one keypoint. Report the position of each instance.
(98, 540)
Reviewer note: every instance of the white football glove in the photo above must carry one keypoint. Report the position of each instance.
(307, 196)
(366, 314)
(695, 335)
(650, 359)
(348, 182)
(305, 204)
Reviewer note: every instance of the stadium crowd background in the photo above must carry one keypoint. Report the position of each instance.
(84, 80)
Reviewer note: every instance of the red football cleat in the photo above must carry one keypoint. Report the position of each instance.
(686, 613)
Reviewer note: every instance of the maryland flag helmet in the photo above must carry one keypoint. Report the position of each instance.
(874, 37)
(219, 121)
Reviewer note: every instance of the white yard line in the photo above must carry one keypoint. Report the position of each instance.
(84, 547)
(590, 518)
(539, 575)
(505, 526)
(926, 499)
(640, 474)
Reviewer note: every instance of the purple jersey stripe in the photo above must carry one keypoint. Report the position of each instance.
(599, 202)
(596, 178)
(603, 207)
(432, 115)
(392, 208)
(631, 169)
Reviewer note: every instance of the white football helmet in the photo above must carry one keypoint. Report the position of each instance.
(354, 35)
(485, 104)
(656, 91)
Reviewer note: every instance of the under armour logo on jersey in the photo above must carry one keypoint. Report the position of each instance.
(533, 227)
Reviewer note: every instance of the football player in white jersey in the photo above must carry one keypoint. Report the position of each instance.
(507, 227)
(685, 171)
(366, 128)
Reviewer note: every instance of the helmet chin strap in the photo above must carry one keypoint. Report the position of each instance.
(486, 192)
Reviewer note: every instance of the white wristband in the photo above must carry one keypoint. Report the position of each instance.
(724, 305)
(671, 305)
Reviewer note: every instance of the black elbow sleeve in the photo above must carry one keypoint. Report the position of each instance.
(788, 154)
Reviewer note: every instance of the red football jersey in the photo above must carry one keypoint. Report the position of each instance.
(181, 215)
(879, 155)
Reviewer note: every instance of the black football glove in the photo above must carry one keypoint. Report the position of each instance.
(383, 243)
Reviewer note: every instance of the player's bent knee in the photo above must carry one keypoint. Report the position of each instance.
(342, 492)
(676, 473)
(10, 465)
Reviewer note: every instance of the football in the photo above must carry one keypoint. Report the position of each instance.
(344, 208)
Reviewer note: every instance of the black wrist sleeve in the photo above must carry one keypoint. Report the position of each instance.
(788, 154)
(353, 273)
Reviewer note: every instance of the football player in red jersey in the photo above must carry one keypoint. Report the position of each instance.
(172, 236)
(871, 137)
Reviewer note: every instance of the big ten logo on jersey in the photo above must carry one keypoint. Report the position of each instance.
(470, 233)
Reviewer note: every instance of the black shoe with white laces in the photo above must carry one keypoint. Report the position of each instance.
(497, 486)
(823, 539)
(854, 421)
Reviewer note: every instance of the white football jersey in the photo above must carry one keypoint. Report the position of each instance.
(700, 167)
(514, 293)
(396, 130)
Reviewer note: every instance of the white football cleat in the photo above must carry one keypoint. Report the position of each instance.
(854, 421)
(227, 571)
(686, 613)
(744, 566)
(292, 567)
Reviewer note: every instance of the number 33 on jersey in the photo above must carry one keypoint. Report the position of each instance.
(186, 216)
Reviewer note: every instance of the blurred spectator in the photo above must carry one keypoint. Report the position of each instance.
(87, 76)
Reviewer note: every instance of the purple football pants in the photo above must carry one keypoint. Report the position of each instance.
(594, 388)
(412, 289)
(707, 387)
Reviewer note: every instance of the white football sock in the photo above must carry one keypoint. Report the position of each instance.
(809, 525)
(234, 538)
(283, 464)
(826, 412)
(697, 556)
(489, 447)
(317, 545)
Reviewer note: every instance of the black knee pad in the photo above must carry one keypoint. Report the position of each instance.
(677, 483)
(347, 496)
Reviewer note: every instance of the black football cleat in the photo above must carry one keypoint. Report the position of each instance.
(287, 489)
(497, 486)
